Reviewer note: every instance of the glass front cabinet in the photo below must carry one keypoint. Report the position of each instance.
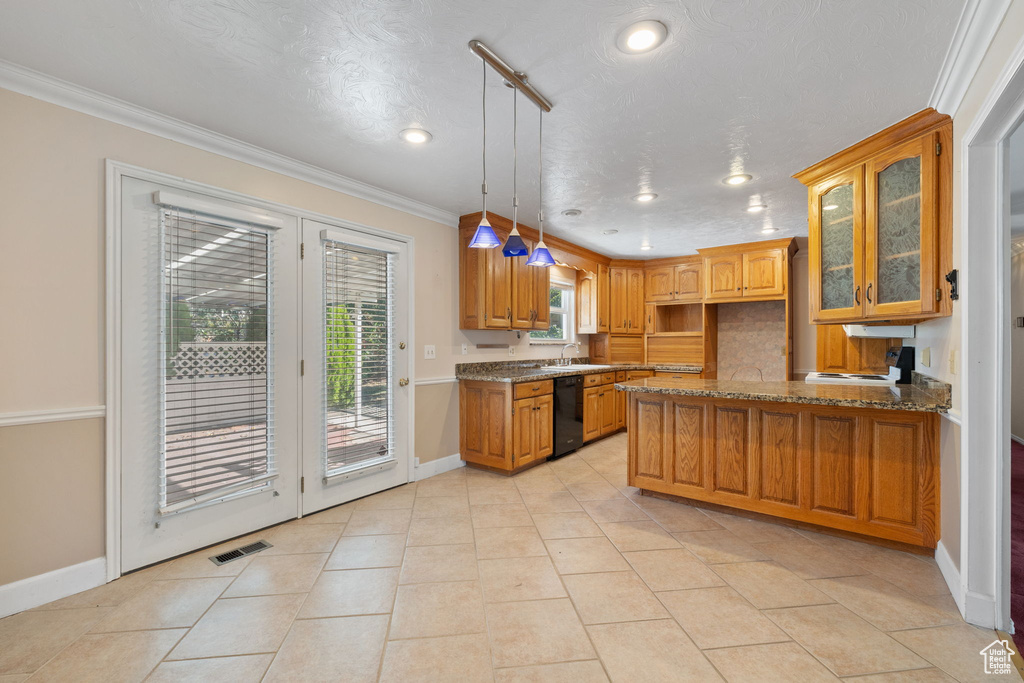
(879, 234)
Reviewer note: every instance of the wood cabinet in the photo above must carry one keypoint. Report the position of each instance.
(689, 281)
(600, 406)
(626, 295)
(505, 427)
(880, 225)
(603, 299)
(586, 302)
(499, 293)
(749, 272)
(723, 276)
(838, 353)
(871, 472)
(674, 282)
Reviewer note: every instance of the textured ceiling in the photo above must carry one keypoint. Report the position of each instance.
(765, 87)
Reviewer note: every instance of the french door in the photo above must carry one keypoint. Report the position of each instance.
(263, 372)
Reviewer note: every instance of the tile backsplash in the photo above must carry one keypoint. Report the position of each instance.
(752, 341)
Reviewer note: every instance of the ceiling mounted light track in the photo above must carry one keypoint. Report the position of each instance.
(516, 78)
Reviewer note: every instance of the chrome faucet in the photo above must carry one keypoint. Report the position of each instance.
(562, 360)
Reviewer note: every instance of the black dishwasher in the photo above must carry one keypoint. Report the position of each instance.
(568, 422)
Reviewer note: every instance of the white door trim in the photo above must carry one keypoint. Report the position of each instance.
(116, 171)
(985, 436)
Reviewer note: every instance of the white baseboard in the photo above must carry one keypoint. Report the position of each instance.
(60, 583)
(951, 574)
(439, 466)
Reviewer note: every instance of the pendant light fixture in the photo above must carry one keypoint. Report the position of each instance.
(540, 257)
(514, 245)
(484, 237)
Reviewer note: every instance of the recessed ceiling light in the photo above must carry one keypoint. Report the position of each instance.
(737, 179)
(830, 207)
(757, 208)
(645, 247)
(768, 231)
(416, 136)
(642, 36)
(571, 213)
(610, 232)
(644, 197)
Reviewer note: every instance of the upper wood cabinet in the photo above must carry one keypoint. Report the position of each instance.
(661, 283)
(586, 302)
(627, 300)
(723, 276)
(675, 282)
(858, 355)
(756, 270)
(499, 293)
(880, 236)
(603, 298)
(763, 273)
(689, 283)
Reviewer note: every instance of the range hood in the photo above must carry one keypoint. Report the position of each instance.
(883, 331)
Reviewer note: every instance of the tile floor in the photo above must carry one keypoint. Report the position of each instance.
(562, 573)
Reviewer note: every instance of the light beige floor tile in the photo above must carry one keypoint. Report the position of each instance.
(676, 516)
(378, 522)
(29, 639)
(339, 514)
(243, 669)
(720, 617)
(512, 541)
(240, 626)
(520, 578)
(913, 676)
(773, 663)
(440, 530)
(365, 552)
(560, 501)
(433, 563)
(593, 490)
(351, 592)
(479, 495)
(718, 547)
(754, 530)
(437, 486)
(113, 593)
(629, 536)
(808, 560)
(128, 656)
(481, 479)
(274, 575)
(618, 480)
(568, 672)
(844, 642)
(437, 609)
(914, 574)
(541, 484)
(581, 555)
(289, 539)
(426, 660)
(441, 506)
(347, 649)
(566, 525)
(506, 514)
(177, 603)
(536, 632)
(884, 605)
(616, 510)
(612, 596)
(650, 651)
(13, 678)
(400, 498)
(954, 649)
(672, 569)
(580, 475)
(768, 585)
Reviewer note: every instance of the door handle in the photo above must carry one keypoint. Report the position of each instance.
(403, 382)
(508, 313)
(856, 296)
(870, 285)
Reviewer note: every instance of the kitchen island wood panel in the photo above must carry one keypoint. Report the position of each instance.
(860, 470)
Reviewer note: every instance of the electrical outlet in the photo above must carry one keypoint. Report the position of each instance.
(465, 349)
(429, 352)
(511, 350)
(926, 356)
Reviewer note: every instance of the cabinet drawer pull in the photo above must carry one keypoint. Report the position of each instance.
(856, 295)
(870, 285)
(536, 388)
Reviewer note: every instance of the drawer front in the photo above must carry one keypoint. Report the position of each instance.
(608, 378)
(531, 389)
(639, 374)
(592, 380)
(620, 376)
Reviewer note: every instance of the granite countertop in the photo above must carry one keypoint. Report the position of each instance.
(925, 394)
(513, 372)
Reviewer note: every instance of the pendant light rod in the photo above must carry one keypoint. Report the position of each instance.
(483, 185)
(517, 79)
(540, 175)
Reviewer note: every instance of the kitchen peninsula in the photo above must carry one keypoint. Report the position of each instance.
(860, 459)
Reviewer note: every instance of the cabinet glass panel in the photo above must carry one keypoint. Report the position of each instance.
(899, 232)
(837, 248)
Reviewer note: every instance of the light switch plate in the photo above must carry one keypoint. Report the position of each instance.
(511, 350)
(429, 352)
(926, 356)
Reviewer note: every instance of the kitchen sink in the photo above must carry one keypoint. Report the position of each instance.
(575, 366)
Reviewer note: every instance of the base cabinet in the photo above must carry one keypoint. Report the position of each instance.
(865, 471)
(505, 426)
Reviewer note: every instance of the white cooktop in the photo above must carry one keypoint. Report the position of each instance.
(842, 378)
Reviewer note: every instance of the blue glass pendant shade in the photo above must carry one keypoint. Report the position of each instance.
(514, 245)
(484, 237)
(541, 257)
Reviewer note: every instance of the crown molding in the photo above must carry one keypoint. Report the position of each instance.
(70, 96)
(974, 32)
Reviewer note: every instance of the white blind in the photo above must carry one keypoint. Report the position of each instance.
(217, 426)
(358, 367)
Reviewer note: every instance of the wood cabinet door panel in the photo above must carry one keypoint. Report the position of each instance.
(485, 432)
(780, 457)
(652, 427)
(689, 283)
(620, 408)
(591, 413)
(544, 415)
(607, 399)
(731, 455)
(586, 303)
(523, 297)
(836, 247)
(688, 447)
(833, 447)
(619, 308)
(541, 297)
(896, 452)
(723, 276)
(603, 299)
(660, 285)
(635, 301)
(523, 430)
(497, 289)
(764, 273)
